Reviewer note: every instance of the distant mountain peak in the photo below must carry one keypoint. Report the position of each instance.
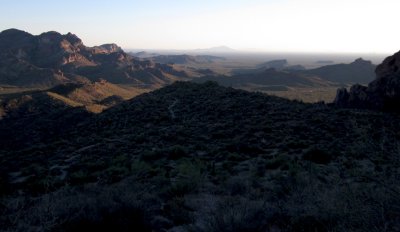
(217, 49)
(52, 58)
(14, 37)
(108, 48)
(13, 31)
(50, 35)
(185, 59)
(73, 39)
(222, 47)
(361, 61)
(275, 64)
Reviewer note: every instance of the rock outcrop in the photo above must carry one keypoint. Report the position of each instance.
(106, 49)
(381, 94)
(51, 58)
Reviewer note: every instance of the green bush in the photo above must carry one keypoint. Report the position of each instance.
(186, 178)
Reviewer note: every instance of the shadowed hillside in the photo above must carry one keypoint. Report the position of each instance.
(278, 78)
(200, 157)
(92, 96)
(360, 71)
(277, 72)
(267, 78)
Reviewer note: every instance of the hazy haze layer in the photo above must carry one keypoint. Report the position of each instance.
(269, 25)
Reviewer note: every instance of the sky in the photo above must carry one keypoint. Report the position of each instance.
(332, 26)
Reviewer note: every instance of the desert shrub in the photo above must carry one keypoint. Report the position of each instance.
(141, 169)
(117, 218)
(152, 155)
(120, 159)
(318, 156)
(79, 177)
(276, 162)
(175, 152)
(117, 172)
(237, 185)
(178, 212)
(122, 207)
(4, 186)
(297, 144)
(307, 223)
(237, 146)
(233, 156)
(306, 204)
(259, 168)
(236, 214)
(96, 165)
(186, 178)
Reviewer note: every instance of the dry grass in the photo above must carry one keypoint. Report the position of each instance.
(6, 89)
(90, 95)
(64, 99)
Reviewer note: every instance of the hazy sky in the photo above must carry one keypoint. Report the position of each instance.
(369, 26)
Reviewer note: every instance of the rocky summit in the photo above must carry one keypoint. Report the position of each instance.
(51, 58)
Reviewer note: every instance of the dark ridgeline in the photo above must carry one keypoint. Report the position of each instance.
(359, 71)
(196, 157)
(381, 94)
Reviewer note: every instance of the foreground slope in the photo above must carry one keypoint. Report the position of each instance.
(201, 157)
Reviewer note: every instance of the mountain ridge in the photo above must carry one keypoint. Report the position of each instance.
(382, 93)
(60, 58)
(273, 73)
(359, 71)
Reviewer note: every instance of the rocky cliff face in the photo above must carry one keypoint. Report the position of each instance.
(52, 58)
(106, 49)
(381, 94)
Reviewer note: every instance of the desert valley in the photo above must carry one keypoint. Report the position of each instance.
(136, 120)
(97, 138)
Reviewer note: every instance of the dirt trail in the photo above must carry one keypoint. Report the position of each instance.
(170, 108)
